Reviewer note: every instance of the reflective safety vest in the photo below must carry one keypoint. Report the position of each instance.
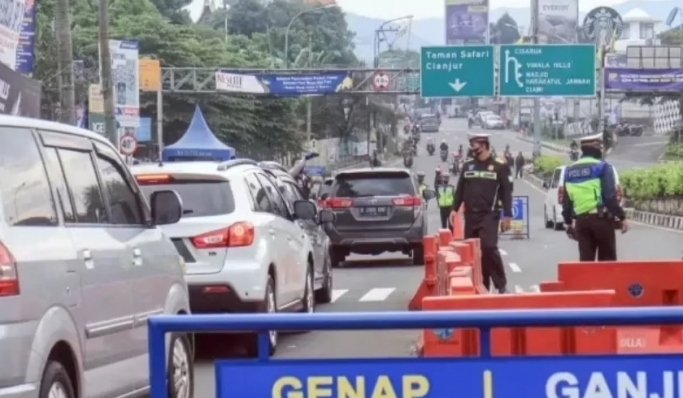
(445, 195)
(421, 188)
(583, 185)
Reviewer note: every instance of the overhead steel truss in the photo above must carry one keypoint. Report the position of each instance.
(203, 80)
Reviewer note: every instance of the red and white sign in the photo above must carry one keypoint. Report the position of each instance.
(380, 81)
(128, 144)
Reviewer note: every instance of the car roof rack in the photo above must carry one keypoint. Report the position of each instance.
(272, 165)
(236, 162)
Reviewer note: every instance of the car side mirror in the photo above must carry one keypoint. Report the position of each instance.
(312, 196)
(305, 210)
(326, 216)
(428, 194)
(546, 185)
(166, 206)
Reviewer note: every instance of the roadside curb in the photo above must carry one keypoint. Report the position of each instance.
(556, 148)
(643, 217)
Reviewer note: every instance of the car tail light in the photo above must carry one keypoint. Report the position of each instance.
(407, 201)
(9, 277)
(620, 193)
(339, 203)
(237, 235)
(153, 179)
(560, 195)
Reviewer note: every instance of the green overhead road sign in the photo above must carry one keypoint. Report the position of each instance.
(544, 70)
(456, 71)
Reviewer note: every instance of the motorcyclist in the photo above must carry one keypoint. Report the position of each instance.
(493, 153)
(507, 150)
(374, 161)
(460, 151)
(408, 145)
(437, 177)
(574, 146)
(430, 144)
(443, 146)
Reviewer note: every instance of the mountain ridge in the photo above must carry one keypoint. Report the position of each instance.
(431, 31)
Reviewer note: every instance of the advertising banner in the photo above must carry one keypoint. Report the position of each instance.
(284, 85)
(467, 22)
(646, 80)
(125, 76)
(558, 21)
(17, 34)
(19, 95)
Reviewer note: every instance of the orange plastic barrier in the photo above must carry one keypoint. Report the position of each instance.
(428, 285)
(637, 284)
(518, 341)
(456, 224)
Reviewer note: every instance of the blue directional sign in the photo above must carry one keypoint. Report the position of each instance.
(456, 71)
(542, 70)
(284, 85)
(556, 377)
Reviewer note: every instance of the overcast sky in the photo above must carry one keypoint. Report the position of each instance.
(387, 9)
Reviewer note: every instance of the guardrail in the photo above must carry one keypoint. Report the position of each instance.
(484, 376)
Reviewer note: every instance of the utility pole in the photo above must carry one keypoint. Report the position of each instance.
(537, 101)
(106, 81)
(309, 105)
(65, 59)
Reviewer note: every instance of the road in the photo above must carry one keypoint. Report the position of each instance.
(387, 282)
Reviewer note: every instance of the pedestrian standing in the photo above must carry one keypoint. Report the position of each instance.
(519, 165)
(445, 195)
(590, 205)
(485, 189)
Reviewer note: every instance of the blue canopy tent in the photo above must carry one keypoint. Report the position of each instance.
(198, 143)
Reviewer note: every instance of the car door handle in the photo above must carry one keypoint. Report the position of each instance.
(87, 259)
(137, 257)
(272, 232)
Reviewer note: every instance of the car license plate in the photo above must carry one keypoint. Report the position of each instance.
(376, 211)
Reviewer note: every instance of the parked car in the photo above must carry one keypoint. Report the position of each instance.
(493, 122)
(245, 249)
(83, 265)
(552, 210)
(377, 210)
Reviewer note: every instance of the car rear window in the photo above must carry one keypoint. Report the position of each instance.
(373, 184)
(200, 198)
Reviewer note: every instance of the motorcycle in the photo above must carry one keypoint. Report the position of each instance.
(430, 149)
(635, 130)
(574, 155)
(408, 160)
(455, 166)
(470, 122)
(444, 155)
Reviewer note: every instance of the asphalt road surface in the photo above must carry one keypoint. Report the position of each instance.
(387, 282)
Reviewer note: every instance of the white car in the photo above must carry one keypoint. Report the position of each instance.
(552, 210)
(239, 237)
(493, 122)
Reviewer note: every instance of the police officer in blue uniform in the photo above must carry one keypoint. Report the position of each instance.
(590, 207)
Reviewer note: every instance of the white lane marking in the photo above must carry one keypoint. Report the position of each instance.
(377, 294)
(531, 289)
(629, 221)
(337, 293)
(535, 288)
(514, 267)
(652, 143)
(503, 252)
(518, 289)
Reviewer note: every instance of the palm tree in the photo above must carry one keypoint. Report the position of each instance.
(67, 96)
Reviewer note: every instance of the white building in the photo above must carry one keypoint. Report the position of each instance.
(640, 29)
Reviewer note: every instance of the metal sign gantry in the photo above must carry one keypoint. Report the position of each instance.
(404, 81)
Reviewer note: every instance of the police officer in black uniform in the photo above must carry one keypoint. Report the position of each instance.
(484, 187)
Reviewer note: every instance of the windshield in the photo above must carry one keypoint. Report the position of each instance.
(374, 184)
(199, 198)
(429, 120)
(493, 118)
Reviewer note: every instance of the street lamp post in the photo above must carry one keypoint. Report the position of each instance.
(289, 26)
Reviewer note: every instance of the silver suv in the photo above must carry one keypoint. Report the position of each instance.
(83, 265)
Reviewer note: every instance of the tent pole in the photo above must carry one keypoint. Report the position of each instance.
(160, 123)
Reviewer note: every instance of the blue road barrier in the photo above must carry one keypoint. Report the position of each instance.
(613, 376)
(519, 225)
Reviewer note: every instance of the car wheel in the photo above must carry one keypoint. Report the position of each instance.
(324, 295)
(270, 307)
(180, 369)
(548, 223)
(419, 255)
(558, 225)
(308, 302)
(56, 382)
